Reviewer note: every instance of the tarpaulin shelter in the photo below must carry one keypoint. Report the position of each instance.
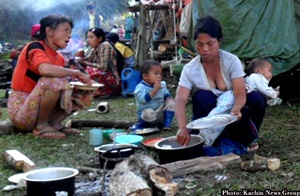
(251, 28)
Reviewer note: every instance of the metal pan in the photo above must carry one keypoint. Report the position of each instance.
(212, 121)
(146, 131)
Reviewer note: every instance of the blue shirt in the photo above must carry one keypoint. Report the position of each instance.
(143, 99)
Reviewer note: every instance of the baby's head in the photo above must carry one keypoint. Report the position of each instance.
(151, 71)
(261, 66)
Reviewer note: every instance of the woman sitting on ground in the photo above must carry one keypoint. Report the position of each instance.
(102, 63)
(40, 98)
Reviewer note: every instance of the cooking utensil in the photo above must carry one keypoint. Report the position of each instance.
(169, 150)
(129, 139)
(151, 142)
(212, 121)
(47, 181)
(17, 177)
(95, 137)
(82, 86)
(146, 131)
(107, 132)
(117, 151)
(114, 135)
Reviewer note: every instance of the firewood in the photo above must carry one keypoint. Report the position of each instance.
(149, 169)
(84, 169)
(78, 123)
(157, 178)
(260, 163)
(126, 182)
(7, 128)
(163, 182)
(181, 168)
(254, 166)
(188, 51)
(272, 163)
(259, 159)
(18, 160)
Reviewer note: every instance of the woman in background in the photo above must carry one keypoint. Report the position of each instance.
(125, 50)
(101, 65)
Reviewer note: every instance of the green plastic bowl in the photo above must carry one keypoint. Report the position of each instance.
(106, 132)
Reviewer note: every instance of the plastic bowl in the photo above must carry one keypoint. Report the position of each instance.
(129, 139)
(106, 132)
(112, 135)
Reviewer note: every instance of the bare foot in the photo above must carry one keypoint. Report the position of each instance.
(69, 130)
(253, 147)
(66, 130)
(48, 132)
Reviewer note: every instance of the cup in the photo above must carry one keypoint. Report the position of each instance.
(96, 137)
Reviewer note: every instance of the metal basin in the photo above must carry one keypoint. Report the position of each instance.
(47, 181)
(170, 150)
(111, 156)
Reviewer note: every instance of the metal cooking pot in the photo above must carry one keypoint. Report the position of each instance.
(114, 153)
(169, 150)
(47, 181)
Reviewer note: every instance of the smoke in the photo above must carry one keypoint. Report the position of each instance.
(37, 9)
(17, 16)
(37, 5)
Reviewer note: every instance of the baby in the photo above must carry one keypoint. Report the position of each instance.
(259, 74)
(155, 106)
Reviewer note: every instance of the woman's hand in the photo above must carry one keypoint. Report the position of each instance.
(84, 78)
(183, 137)
(236, 112)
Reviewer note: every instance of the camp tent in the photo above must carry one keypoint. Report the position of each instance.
(251, 28)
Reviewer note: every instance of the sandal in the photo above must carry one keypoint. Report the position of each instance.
(253, 147)
(48, 133)
(69, 131)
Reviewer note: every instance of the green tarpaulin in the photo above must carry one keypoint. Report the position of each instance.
(251, 28)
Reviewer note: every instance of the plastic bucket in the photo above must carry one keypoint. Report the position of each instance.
(130, 79)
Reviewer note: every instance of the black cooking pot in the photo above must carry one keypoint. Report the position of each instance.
(47, 181)
(169, 150)
(114, 153)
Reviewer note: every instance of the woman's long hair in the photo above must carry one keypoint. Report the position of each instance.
(98, 32)
(52, 21)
